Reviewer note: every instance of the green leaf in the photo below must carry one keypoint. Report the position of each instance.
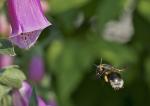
(147, 72)
(6, 47)
(59, 6)
(33, 98)
(6, 101)
(141, 35)
(123, 55)
(144, 8)
(12, 77)
(4, 90)
(1, 3)
(108, 10)
(66, 60)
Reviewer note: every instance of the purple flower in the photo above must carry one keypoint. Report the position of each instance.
(41, 102)
(5, 60)
(17, 98)
(22, 96)
(26, 91)
(36, 68)
(27, 21)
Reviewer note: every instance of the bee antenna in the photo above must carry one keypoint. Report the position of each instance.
(95, 65)
(101, 61)
(102, 73)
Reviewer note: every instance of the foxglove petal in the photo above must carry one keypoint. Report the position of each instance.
(36, 68)
(27, 21)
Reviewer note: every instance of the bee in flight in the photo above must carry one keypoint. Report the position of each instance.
(110, 74)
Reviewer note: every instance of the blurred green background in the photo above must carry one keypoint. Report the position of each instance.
(83, 32)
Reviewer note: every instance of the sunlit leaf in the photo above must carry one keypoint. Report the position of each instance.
(69, 66)
(4, 90)
(108, 10)
(6, 101)
(144, 8)
(1, 3)
(12, 77)
(147, 67)
(59, 6)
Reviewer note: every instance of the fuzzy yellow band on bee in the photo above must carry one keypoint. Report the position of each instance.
(106, 78)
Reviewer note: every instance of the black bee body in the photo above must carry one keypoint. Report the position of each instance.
(111, 75)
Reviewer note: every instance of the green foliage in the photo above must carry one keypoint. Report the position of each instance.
(33, 99)
(74, 50)
(108, 10)
(6, 101)
(144, 8)
(4, 91)
(1, 4)
(6, 47)
(10, 77)
(59, 6)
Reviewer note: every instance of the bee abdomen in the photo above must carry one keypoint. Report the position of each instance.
(115, 80)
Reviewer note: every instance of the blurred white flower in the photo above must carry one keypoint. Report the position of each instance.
(122, 30)
(119, 31)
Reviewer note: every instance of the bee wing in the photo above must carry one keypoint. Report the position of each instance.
(117, 70)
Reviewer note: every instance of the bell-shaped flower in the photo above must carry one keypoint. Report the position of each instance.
(22, 96)
(41, 102)
(26, 91)
(27, 21)
(36, 68)
(18, 99)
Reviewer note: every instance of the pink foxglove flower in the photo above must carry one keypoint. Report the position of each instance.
(17, 98)
(41, 102)
(5, 60)
(27, 21)
(26, 91)
(22, 96)
(36, 68)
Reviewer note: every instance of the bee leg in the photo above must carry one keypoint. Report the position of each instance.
(97, 74)
(102, 73)
(105, 78)
(117, 70)
(120, 70)
(98, 77)
(95, 65)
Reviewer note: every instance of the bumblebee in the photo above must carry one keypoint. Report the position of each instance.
(111, 75)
